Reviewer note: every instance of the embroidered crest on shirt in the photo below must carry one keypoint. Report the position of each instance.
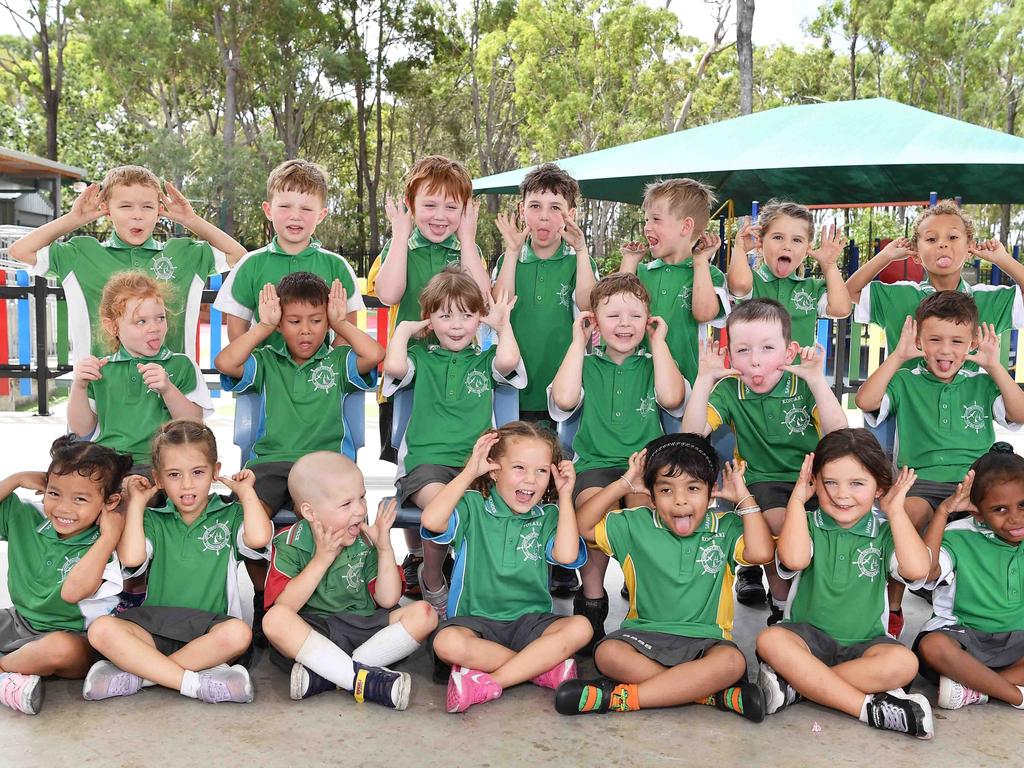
(529, 545)
(216, 537)
(647, 405)
(67, 565)
(162, 268)
(685, 295)
(974, 417)
(323, 377)
(354, 573)
(712, 558)
(476, 383)
(797, 419)
(802, 300)
(869, 561)
(565, 295)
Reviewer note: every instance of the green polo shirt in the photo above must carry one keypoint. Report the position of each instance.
(981, 583)
(774, 430)
(38, 561)
(805, 298)
(620, 410)
(671, 289)
(452, 403)
(680, 585)
(842, 591)
(346, 587)
(942, 428)
(543, 316)
(128, 413)
(425, 259)
(196, 566)
(303, 406)
(890, 304)
(84, 265)
(240, 294)
(501, 557)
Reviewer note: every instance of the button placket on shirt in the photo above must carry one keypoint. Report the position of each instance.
(1014, 581)
(945, 396)
(451, 378)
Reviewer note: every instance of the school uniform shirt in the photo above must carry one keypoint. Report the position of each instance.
(452, 402)
(348, 585)
(941, 427)
(303, 406)
(196, 566)
(679, 585)
(128, 413)
(805, 298)
(981, 581)
(842, 591)
(240, 294)
(38, 562)
(84, 265)
(501, 557)
(543, 316)
(889, 305)
(620, 410)
(671, 289)
(425, 259)
(774, 430)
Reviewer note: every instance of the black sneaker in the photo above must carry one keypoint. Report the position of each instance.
(750, 589)
(305, 683)
(381, 686)
(442, 671)
(776, 612)
(580, 697)
(412, 578)
(259, 639)
(595, 611)
(563, 581)
(911, 715)
(745, 699)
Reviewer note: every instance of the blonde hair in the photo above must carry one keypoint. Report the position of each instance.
(616, 283)
(944, 208)
(452, 287)
(128, 176)
(776, 209)
(298, 176)
(120, 289)
(521, 430)
(439, 174)
(686, 198)
(183, 432)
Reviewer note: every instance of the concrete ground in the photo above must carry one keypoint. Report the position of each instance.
(160, 727)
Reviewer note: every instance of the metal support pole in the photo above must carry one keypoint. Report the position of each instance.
(42, 363)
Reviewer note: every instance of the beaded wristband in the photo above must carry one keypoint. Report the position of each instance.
(747, 510)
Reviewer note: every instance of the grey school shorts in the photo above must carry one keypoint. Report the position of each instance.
(272, 484)
(514, 635)
(596, 478)
(15, 632)
(933, 493)
(348, 631)
(420, 477)
(668, 650)
(773, 495)
(995, 650)
(173, 628)
(827, 649)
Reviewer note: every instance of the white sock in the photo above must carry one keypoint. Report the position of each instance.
(864, 709)
(391, 644)
(190, 684)
(148, 683)
(1021, 705)
(327, 660)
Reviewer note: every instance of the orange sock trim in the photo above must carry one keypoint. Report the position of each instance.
(625, 698)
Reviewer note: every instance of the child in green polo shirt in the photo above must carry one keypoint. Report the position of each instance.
(620, 388)
(547, 268)
(831, 646)
(686, 289)
(132, 198)
(62, 567)
(452, 382)
(333, 589)
(297, 192)
(190, 626)
(974, 644)
(497, 514)
(130, 393)
(944, 410)
(778, 410)
(675, 645)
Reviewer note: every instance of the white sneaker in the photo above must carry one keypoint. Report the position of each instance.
(954, 695)
(224, 683)
(105, 680)
(438, 600)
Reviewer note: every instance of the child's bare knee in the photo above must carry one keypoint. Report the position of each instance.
(234, 636)
(934, 647)
(580, 630)
(450, 645)
(102, 630)
(769, 639)
(275, 621)
(733, 661)
(423, 618)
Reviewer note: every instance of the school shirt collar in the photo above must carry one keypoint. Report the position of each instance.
(867, 526)
(785, 387)
(496, 507)
(921, 369)
(686, 263)
(123, 355)
(214, 503)
(527, 254)
(275, 248)
(418, 240)
(768, 276)
(632, 358)
(116, 242)
(962, 287)
(437, 349)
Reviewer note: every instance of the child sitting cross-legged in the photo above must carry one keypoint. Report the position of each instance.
(678, 558)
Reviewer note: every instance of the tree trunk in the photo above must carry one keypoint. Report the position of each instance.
(853, 65)
(745, 53)
(226, 29)
(1013, 98)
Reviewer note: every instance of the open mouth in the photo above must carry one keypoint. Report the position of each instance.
(682, 524)
(525, 497)
(294, 229)
(543, 235)
(153, 344)
(944, 366)
(783, 265)
(353, 530)
(757, 380)
(944, 262)
(187, 499)
(1016, 533)
(652, 242)
(438, 230)
(64, 522)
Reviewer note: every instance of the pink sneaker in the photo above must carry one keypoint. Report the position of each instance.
(22, 693)
(557, 675)
(467, 687)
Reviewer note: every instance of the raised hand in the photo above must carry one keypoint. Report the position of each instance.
(155, 377)
(989, 352)
(563, 475)
(804, 488)
(906, 348)
(899, 249)
(414, 328)
(960, 501)
(572, 234)
(831, 246)
(239, 482)
(633, 252)
(812, 363)
(328, 543)
(480, 463)
(337, 304)
(657, 329)
(991, 251)
(137, 487)
(175, 205)
(896, 497)
(111, 522)
(734, 486)
(400, 218)
(379, 533)
(88, 369)
(748, 236)
(707, 245)
(32, 481)
(269, 306)
(583, 328)
(467, 225)
(501, 308)
(87, 206)
(512, 235)
(711, 362)
(634, 474)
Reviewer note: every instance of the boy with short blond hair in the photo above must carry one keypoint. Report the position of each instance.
(686, 289)
(133, 198)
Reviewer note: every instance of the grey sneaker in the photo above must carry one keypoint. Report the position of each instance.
(438, 600)
(105, 680)
(224, 683)
(778, 694)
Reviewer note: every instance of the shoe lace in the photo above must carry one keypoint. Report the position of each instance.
(378, 687)
(894, 717)
(972, 696)
(213, 690)
(9, 690)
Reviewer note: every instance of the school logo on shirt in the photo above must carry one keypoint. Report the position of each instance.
(797, 419)
(476, 383)
(323, 377)
(354, 572)
(869, 561)
(565, 295)
(685, 295)
(529, 545)
(647, 405)
(802, 300)
(974, 417)
(216, 537)
(65, 568)
(712, 558)
(163, 268)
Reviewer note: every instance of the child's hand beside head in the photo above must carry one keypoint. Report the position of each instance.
(137, 488)
(480, 463)
(906, 348)
(895, 499)
(633, 252)
(960, 501)
(87, 206)
(657, 329)
(563, 475)
(812, 364)
(400, 218)
(748, 237)
(583, 329)
(804, 487)
(989, 353)
(501, 309)
(734, 486)
(269, 306)
(512, 236)
(711, 363)
(572, 234)
(831, 247)
(466, 231)
(634, 474)
(707, 245)
(328, 543)
(337, 304)
(899, 249)
(379, 533)
(991, 251)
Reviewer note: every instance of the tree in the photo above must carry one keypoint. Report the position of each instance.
(745, 53)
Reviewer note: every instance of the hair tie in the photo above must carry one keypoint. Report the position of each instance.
(1001, 447)
(681, 444)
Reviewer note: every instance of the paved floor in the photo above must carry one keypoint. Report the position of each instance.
(159, 727)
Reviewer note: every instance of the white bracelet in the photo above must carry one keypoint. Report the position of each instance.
(626, 480)
(747, 510)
